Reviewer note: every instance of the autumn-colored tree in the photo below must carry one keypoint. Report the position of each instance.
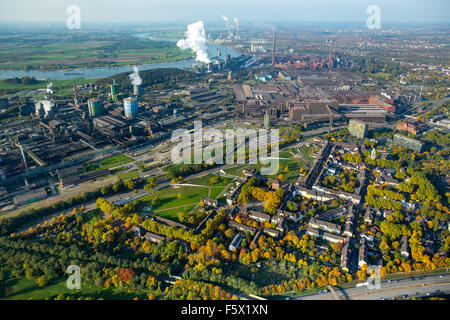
(42, 281)
(126, 275)
(151, 281)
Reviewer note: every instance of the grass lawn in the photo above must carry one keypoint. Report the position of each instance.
(108, 163)
(169, 199)
(170, 205)
(128, 175)
(24, 289)
(206, 181)
(58, 85)
(172, 214)
(237, 170)
(289, 166)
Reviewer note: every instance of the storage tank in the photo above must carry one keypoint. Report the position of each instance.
(114, 92)
(130, 106)
(95, 107)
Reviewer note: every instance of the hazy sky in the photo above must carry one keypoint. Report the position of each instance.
(392, 11)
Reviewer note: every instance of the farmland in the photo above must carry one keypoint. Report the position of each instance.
(65, 51)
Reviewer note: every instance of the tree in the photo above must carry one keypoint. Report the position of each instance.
(229, 233)
(129, 184)
(214, 180)
(42, 281)
(152, 183)
(126, 275)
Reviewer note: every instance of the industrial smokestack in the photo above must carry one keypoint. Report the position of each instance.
(227, 26)
(137, 89)
(273, 48)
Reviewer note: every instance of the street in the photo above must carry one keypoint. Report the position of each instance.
(417, 286)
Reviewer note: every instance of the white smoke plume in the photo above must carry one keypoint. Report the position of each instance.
(48, 88)
(226, 21)
(135, 78)
(195, 40)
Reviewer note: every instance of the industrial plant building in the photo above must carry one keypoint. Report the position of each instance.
(289, 103)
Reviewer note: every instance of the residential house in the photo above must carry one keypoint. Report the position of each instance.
(235, 243)
(272, 232)
(346, 256)
(138, 231)
(333, 213)
(209, 202)
(348, 228)
(324, 225)
(405, 247)
(258, 216)
(362, 257)
(156, 238)
(368, 216)
(241, 227)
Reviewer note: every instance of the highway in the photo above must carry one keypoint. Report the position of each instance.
(398, 289)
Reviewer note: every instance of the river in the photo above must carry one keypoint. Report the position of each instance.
(92, 73)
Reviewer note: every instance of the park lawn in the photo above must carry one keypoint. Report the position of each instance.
(215, 192)
(289, 162)
(169, 199)
(237, 170)
(306, 151)
(205, 181)
(172, 214)
(108, 163)
(25, 289)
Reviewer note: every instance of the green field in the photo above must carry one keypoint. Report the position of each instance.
(289, 165)
(108, 163)
(25, 289)
(169, 199)
(206, 181)
(59, 87)
(170, 205)
(61, 51)
(129, 175)
(237, 170)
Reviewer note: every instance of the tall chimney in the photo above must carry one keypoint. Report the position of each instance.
(273, 49)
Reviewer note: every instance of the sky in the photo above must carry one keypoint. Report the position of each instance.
(154, 11)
